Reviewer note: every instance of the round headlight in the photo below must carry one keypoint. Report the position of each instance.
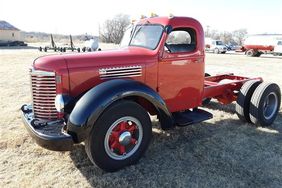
(59, 103)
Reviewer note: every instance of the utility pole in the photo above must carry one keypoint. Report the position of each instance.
(207, 31)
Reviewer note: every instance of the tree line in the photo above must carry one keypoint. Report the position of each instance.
(235, 37)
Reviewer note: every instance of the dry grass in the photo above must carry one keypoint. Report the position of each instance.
(221, 152)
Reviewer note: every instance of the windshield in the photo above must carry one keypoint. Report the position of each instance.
(147, 36)
(219, 43)
(126, 37)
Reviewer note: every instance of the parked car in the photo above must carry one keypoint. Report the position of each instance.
(215, 46)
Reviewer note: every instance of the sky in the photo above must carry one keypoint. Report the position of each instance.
(84, 16)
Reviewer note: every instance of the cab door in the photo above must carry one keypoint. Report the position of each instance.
(181, 70)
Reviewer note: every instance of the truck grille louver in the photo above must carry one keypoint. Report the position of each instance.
(120, 72)
(43, 87)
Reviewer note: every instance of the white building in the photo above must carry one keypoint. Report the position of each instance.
(8, 32)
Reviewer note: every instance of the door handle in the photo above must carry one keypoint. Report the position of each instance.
(198, 60)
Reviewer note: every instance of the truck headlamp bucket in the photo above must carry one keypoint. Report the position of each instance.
(59, 103)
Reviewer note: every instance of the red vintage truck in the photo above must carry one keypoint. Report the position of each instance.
(104, 98)
(256, 45)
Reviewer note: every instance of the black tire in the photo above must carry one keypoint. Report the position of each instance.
(45, 49)
(78, 50)
(223, 52)
(250, 53)
(242, 107)
(206, 101)
(258, 54)
(40, 49)
(265, 104)
(216, 51)
(83, 49)
(95, 144)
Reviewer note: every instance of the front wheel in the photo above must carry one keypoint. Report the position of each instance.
(119, 137)
(216, 51)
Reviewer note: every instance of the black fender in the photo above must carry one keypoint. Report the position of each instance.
(92, 104)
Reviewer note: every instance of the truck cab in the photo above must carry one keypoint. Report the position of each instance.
(104, 98)
(278, 48)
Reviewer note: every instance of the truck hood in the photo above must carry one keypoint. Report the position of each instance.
(53, 63)
(119, 57)
(84, 69)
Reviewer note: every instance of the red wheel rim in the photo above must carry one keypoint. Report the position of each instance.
(123, 138)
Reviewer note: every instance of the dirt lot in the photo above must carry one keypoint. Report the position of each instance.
(221, 152)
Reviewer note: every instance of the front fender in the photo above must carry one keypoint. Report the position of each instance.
(92, 104)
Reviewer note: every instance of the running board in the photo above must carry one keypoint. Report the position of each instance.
(188, 117)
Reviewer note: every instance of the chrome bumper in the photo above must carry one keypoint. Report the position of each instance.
(48, 134)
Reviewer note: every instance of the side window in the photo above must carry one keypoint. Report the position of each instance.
(181, 40)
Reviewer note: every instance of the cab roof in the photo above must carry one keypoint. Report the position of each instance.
(173, 21)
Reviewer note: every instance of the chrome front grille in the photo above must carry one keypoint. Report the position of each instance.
(43, 86)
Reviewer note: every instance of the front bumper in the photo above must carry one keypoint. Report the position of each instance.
(48, 134)
(222, 50)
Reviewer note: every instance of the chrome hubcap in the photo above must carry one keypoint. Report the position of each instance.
(270, 105)
(125, 138)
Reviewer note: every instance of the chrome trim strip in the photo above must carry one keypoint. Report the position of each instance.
(45, 110)
(42, 78)
(48, 95)
(42, 85)
(120, 72)
(44, 91)
(34, 72)
(43, 81)
(47, 88)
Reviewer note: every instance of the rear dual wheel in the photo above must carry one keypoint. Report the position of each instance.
(258, 103)
(253, 53)
(265, 104)
(242, 107)
(119, 137)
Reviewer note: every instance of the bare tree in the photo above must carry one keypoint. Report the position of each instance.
(239, 35)
(214, 34)
(226, 37)
(113, 29)
(235, 37)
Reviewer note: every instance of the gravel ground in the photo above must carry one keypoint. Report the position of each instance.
(221, 152)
